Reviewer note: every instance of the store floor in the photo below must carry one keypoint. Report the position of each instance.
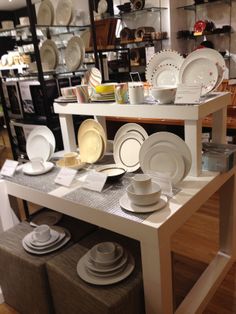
(193, 247)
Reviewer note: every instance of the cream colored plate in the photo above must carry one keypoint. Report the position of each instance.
(63, 12)
(49, 53)
(85, 36)
(45, 16)
(91, 146)
(91, 124)
(74, 53)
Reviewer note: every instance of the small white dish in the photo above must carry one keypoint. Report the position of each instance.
(27, 168)
(101, 281)
(126, 204)
(113, 171)
(164, 94)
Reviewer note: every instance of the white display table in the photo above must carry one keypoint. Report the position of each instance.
(154, 231)
(192, 115)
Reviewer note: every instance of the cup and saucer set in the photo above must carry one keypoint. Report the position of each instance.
(44, 239)
(143, 195)
(105, 263)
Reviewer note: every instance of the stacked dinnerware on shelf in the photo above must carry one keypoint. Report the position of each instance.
(204, 67)
(92, 141)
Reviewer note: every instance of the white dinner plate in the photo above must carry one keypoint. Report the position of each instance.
(91, 146)
(47, 133)
(102, 6)
(45, 14)
(90, 124)
(165, 75)
(166, 160)
(131, 127)
(85, 36)
(88, 277)
(126, 151)
(63, 12)
(126, 204)
(212, 55)
(51, 248)
(27, 168)
(200, 71)
(74, 53)
(37, 146)
(163, 57)
(171, 140)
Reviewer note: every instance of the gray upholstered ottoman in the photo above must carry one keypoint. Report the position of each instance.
(72, 295)
(23, 276)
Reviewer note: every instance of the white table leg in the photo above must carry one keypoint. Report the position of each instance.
(68, 133)
(228, 217)
(157, 275)
(219, 126)
(193, 138)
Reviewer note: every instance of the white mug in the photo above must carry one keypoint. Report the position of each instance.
(142, 183)
(42, 233)
(136, 93)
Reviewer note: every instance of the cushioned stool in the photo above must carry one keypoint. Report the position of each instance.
(23, 276)
(72, 295)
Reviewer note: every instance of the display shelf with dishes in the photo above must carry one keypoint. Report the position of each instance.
(207, 28)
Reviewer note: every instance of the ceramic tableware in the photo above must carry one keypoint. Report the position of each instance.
(164, 94)
(114, 172)
(69, 158)
(29, 170)
(74, 53)
(91, 146)
(68, 92)
(42, 233)
(136, 93)
(145, 198)
(103, 252)
(63, 12)
(37, 164)
(47, 217)
(38, 147)
(121, 93)
(165, 74)
(131, 127)
(142, 183)
(82, 93)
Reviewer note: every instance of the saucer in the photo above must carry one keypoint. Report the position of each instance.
(106, 275)
(50, 249)
(65, 100)
(101, 281)
(126, 204)
(78, 164)
(27, 168)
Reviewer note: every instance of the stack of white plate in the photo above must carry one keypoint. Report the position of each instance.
(40, 145)
(59, 237)
(92, 141)
(49, 54)
(127, 144)
(163, 68)
(103, 269)
(167, 154)
(203, 67)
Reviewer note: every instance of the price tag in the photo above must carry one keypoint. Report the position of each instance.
(9, 168)
(188, 94)
(65, 176)
(95, 181)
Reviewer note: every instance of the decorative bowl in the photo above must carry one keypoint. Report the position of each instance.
(107, 88)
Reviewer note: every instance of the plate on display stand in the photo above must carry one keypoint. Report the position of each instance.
(28, 169)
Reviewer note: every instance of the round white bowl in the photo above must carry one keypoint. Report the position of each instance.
(164, 94)
(146, 199)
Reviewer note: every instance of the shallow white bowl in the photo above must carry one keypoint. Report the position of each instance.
(149, 198)
(164, 94)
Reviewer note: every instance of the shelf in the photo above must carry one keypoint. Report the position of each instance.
(140, 42)
(18, 67)
(191, 36)
(53, 29)
(145, 10)
(192, 7)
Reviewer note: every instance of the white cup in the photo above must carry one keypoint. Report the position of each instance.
(82, 93)
(42, 233)
(142, 183)
(136, 93)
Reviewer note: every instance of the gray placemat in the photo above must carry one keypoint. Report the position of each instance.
(44, 182)
(107, 200)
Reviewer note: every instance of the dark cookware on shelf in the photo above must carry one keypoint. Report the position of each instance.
(142, 32)
(203, 26)
(138, 4)
(127, 34)
(126, 7)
